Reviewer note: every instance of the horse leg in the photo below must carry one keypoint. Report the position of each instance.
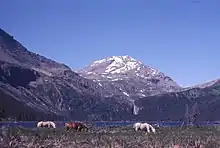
(79, 128)
(136, 128)
(148, 129)
(83, 128)
(67, 128)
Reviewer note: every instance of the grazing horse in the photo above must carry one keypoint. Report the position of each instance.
(144, 127)
(48, 124)
(76, 126)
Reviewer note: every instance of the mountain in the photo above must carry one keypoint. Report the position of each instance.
(207, 84)
(124, 75)
(49, 88)
(33, 87)
(154, 95)
(172, 106)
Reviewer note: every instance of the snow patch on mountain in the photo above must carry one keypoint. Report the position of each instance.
(126, 94)
(129, 77)
(110, 67)
(118, 64)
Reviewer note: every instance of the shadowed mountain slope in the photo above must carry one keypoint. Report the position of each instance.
(33, 87)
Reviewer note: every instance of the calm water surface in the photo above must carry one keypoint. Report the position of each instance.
(32, 124)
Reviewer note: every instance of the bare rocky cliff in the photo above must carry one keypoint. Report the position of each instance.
(47, 86)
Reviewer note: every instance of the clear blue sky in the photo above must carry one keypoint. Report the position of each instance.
(178, 37)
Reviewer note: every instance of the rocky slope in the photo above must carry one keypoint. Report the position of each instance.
(33, 87)
(126, 76)
(46, 86)
(172, 106)
(156, 96)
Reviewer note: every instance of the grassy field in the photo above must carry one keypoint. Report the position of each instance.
(111, 137)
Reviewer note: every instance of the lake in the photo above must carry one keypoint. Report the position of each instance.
(32, 124)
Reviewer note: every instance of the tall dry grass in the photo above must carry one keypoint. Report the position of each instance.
(111, 137)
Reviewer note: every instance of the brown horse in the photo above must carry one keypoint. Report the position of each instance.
(76, 126)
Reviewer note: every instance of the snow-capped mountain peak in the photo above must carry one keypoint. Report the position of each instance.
(128, 77)
(118, 59)
(117, 65)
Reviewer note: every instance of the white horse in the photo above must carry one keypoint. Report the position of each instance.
(144, 127)
(48, 124)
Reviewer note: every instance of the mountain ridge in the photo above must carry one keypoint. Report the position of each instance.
(128, 75)
(45, 84)
(49, 89)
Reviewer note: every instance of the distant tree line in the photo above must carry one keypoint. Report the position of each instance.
(26, 115)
